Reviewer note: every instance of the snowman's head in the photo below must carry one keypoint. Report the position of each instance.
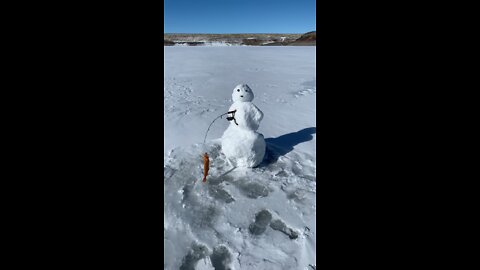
(242, 93)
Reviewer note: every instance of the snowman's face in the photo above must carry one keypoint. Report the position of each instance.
(242, 93)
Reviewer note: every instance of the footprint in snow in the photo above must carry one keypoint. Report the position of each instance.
(221, 258)
(305, 92)
(196, 253)
(279, 225)
(252, 190)
(264, 218)
(220, 194)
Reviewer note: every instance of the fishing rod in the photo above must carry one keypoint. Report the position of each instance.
(220, 116)
(206, 158)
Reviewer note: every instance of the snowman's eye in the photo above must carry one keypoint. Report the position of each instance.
(238, 90)
(246, 90)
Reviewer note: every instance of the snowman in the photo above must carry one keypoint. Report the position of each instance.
(241, 143)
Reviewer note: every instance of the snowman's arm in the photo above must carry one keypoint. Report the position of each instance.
(258, 114)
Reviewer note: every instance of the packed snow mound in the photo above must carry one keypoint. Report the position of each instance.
(261, 218)
(243, 148)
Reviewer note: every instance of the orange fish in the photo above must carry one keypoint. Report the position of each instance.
(206, 165)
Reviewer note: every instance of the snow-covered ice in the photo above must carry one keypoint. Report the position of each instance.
(241, 218)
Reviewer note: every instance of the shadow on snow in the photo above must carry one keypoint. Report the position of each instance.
(281, 145)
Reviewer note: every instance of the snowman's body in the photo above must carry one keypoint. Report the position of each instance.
(241, 143)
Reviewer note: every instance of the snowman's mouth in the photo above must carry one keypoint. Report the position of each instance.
(241, 96)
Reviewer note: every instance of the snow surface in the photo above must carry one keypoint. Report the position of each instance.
(241, 218)
(210, 43)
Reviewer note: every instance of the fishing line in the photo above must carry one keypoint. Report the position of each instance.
(220, 116)
(206, 158)
(205, 169)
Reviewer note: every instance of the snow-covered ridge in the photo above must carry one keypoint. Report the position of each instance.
(205, 43)
(233, 39)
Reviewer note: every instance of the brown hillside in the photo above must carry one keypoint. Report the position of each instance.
(167, 42)
(309, 38)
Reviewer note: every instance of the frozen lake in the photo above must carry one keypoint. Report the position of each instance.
(199, 82)
(261, 218)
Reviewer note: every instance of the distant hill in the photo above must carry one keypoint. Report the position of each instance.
(167, 42)
(307, 39)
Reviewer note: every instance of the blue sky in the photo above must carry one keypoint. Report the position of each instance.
(239, 16)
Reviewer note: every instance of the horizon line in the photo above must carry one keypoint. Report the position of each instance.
(205, 33)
